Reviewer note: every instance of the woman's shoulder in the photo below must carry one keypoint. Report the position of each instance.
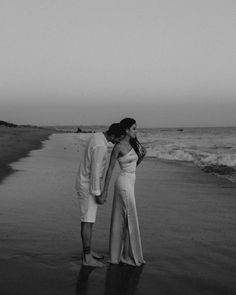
(116, 150)
(117, 147)
(123, 147)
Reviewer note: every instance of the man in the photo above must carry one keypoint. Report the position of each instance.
(88, 185)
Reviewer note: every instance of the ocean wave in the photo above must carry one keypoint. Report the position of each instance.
(170, 154)
(223, 164)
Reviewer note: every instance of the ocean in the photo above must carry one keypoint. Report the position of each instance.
(212, 149)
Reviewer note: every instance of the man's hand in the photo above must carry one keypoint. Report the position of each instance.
(100, 200)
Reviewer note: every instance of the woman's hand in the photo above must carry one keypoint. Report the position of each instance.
(101, 199)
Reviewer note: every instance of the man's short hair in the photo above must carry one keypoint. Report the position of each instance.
(115, 129)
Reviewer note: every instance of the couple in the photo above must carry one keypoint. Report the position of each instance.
(125, 243)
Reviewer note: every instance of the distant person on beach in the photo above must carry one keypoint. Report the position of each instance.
(125, 242)
(88, 186)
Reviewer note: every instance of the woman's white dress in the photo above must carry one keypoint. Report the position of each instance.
(125, 242)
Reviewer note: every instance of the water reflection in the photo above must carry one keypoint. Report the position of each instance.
(120, 279)
(82, 282)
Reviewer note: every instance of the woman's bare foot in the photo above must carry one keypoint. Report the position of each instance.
(88, 260)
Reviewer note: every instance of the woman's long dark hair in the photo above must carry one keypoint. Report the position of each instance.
(136, 145)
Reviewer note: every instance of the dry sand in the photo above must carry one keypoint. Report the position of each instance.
(187, 223)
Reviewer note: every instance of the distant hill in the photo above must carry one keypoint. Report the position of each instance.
(6, 124)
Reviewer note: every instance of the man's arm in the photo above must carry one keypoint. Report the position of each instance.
(114, 155)
(98, 155)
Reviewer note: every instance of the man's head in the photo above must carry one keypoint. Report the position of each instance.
(114, 133)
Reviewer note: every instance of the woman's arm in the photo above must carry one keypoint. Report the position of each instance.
(140, 150)
(143, 152)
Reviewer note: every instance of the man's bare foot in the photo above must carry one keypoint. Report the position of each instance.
(97, 255)
(88, 260)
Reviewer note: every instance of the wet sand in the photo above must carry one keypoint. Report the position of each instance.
(187, 223)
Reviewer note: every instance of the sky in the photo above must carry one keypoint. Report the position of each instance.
(166, 63)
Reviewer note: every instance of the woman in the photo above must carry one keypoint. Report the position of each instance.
(125, 243)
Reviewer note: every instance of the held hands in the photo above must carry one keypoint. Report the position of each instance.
(101, 199)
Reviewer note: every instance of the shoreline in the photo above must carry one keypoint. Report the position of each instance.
(17, 143)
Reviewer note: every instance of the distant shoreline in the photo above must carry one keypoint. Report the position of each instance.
(17, 142)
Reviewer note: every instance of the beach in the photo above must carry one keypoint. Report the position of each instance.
(187, 224)
(16, 143)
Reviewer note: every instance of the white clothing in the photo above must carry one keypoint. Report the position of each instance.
(90, 175)
(88, 205)
(125, 242)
